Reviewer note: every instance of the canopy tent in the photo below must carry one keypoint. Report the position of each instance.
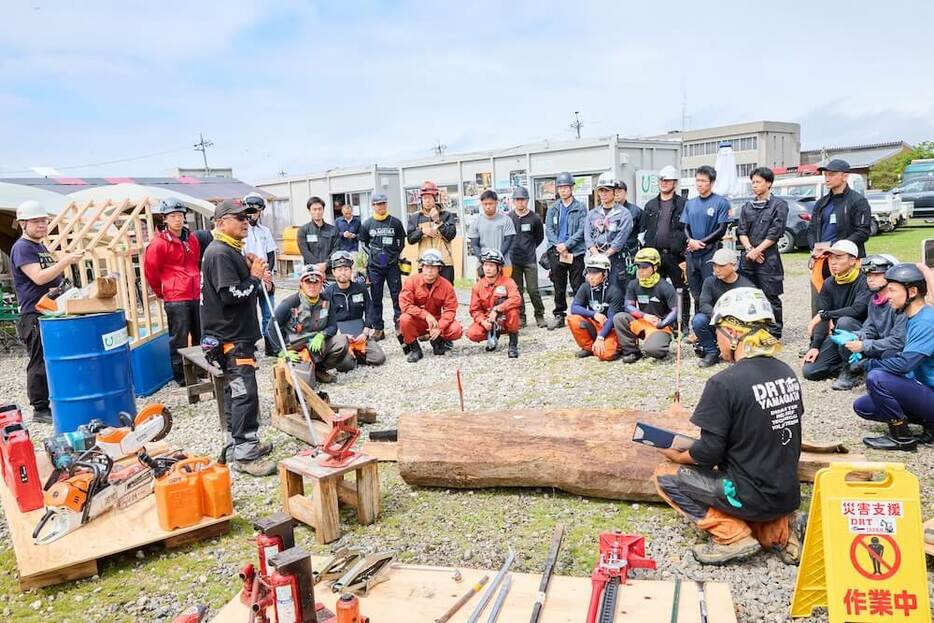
(136, 193)
(11, 195)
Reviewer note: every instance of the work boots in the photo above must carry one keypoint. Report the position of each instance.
(415, 352)
(555, 322)
(710, 359)
(716, 554)
(540, 322)
(632, 357)
(323, 376)
(927, 435)
(791, 553)
(846, 381)
(439, 346)
(513, 345)
(899, 438)
(257, 468)
(378, 335)
(492, 341)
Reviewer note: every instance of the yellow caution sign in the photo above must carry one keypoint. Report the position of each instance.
(863, 555)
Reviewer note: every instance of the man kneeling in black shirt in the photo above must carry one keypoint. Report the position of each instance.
(739, 481)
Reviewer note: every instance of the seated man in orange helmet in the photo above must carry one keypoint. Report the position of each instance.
(651, 310)
(494, 304)
(429, 305)
(595, 305)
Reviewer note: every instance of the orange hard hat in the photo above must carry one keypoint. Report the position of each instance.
(428, 188)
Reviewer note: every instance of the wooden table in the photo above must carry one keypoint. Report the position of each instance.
(329, 488)
(411, 596)
(192, 361)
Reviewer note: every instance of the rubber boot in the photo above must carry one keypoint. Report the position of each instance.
(710, 359)
(415, 352)
(492, 341)
(899, 438)
(438, 347)
(632, 357)
(513, 345)
(715, 554)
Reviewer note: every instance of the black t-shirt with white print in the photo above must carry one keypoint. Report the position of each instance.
(750, 420)
(224, 267)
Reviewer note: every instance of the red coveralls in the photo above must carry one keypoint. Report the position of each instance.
(418, 298)
(483, 298)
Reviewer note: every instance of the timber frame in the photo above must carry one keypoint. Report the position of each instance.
(114, 235)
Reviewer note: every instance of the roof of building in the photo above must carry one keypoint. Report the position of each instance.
(858, 156)
(213, 189)
(734, 129)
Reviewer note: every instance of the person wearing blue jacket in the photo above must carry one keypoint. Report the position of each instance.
(564, 230)
(883, 333)
(900, 388)
(607, 228)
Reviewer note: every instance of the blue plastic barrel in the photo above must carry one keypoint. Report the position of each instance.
(87, 359)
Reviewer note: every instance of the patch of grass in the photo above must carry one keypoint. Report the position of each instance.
(904, 243)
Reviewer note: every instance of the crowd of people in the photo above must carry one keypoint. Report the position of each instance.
(639, 279)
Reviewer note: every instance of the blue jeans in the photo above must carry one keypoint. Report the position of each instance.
(698, 269)
(378, 276)
(891, 398)
(705, 332)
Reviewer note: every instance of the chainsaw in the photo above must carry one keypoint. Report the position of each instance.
(92, 488)
(152, 423)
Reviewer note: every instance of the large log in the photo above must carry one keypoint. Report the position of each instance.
(581, 451)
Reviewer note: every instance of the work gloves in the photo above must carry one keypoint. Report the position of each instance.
(316, 343)
(841, 337)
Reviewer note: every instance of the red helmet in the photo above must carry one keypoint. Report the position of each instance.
(428, 188)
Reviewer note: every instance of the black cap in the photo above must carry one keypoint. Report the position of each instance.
(229, 206)
(836, 165)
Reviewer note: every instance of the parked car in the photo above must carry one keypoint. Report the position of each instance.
(920, 192)
(887, 211)
(796, 224)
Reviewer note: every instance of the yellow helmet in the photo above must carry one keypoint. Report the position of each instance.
(648, 255)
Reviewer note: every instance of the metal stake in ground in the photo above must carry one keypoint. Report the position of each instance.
(478, 610)
(298, 390)
(676, 408)
(460, 387)
(546, 574)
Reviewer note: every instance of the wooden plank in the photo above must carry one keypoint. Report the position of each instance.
(290, 485)
(324, 502)
(72, 555)
(74, 572)
(929, 547)
(202, 534)
(302, 509)
(421, 596)
(367, 494)
(294, 424)
(309, 466)
(347, 493)
(365, 415)
(382, 451)
(811, 462)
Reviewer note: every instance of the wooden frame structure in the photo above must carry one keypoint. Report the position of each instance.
(114, 235)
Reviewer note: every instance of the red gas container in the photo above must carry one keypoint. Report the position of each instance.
(19, 467)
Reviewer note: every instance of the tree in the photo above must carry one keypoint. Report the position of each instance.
(887, 173)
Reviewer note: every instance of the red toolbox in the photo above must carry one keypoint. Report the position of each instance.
(18, 460)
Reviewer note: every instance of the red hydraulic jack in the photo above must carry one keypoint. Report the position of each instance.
(618, 553)
(337, 446)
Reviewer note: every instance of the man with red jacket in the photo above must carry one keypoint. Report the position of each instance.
(494, 305)
(172, 269)
(429, 305)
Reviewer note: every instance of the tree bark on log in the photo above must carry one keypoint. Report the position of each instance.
(582, 451)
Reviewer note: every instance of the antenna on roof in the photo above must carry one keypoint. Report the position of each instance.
(577, 124)
(202, 146)
(439, 149)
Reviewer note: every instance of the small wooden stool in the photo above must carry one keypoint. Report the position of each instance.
(320, 509)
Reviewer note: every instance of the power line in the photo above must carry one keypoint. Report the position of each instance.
(202, 146)
(104, 162)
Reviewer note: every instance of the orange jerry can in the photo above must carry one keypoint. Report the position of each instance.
(178, 495)
(217, 500)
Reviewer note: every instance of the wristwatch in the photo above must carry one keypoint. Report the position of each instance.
(824, 314)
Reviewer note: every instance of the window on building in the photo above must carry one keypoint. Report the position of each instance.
(743, 170)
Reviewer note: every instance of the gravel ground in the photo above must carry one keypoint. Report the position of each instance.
(448, 527)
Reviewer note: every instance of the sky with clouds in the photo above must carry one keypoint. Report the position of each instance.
(306, 86)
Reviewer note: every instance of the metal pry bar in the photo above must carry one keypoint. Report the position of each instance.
(485, 599)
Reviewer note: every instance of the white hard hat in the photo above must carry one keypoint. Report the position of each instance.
(30, 209)
(748, 305)
(607, 179)
(598, 261)
(668, 173)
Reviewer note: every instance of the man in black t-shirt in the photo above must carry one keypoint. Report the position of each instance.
(35, 272)
(650, 311)
(230, 284)
(724, 278)
(739, 481)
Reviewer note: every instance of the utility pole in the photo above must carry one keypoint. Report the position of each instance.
(439, 149)
(577, 124)
(202, 146)
(684, 109)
